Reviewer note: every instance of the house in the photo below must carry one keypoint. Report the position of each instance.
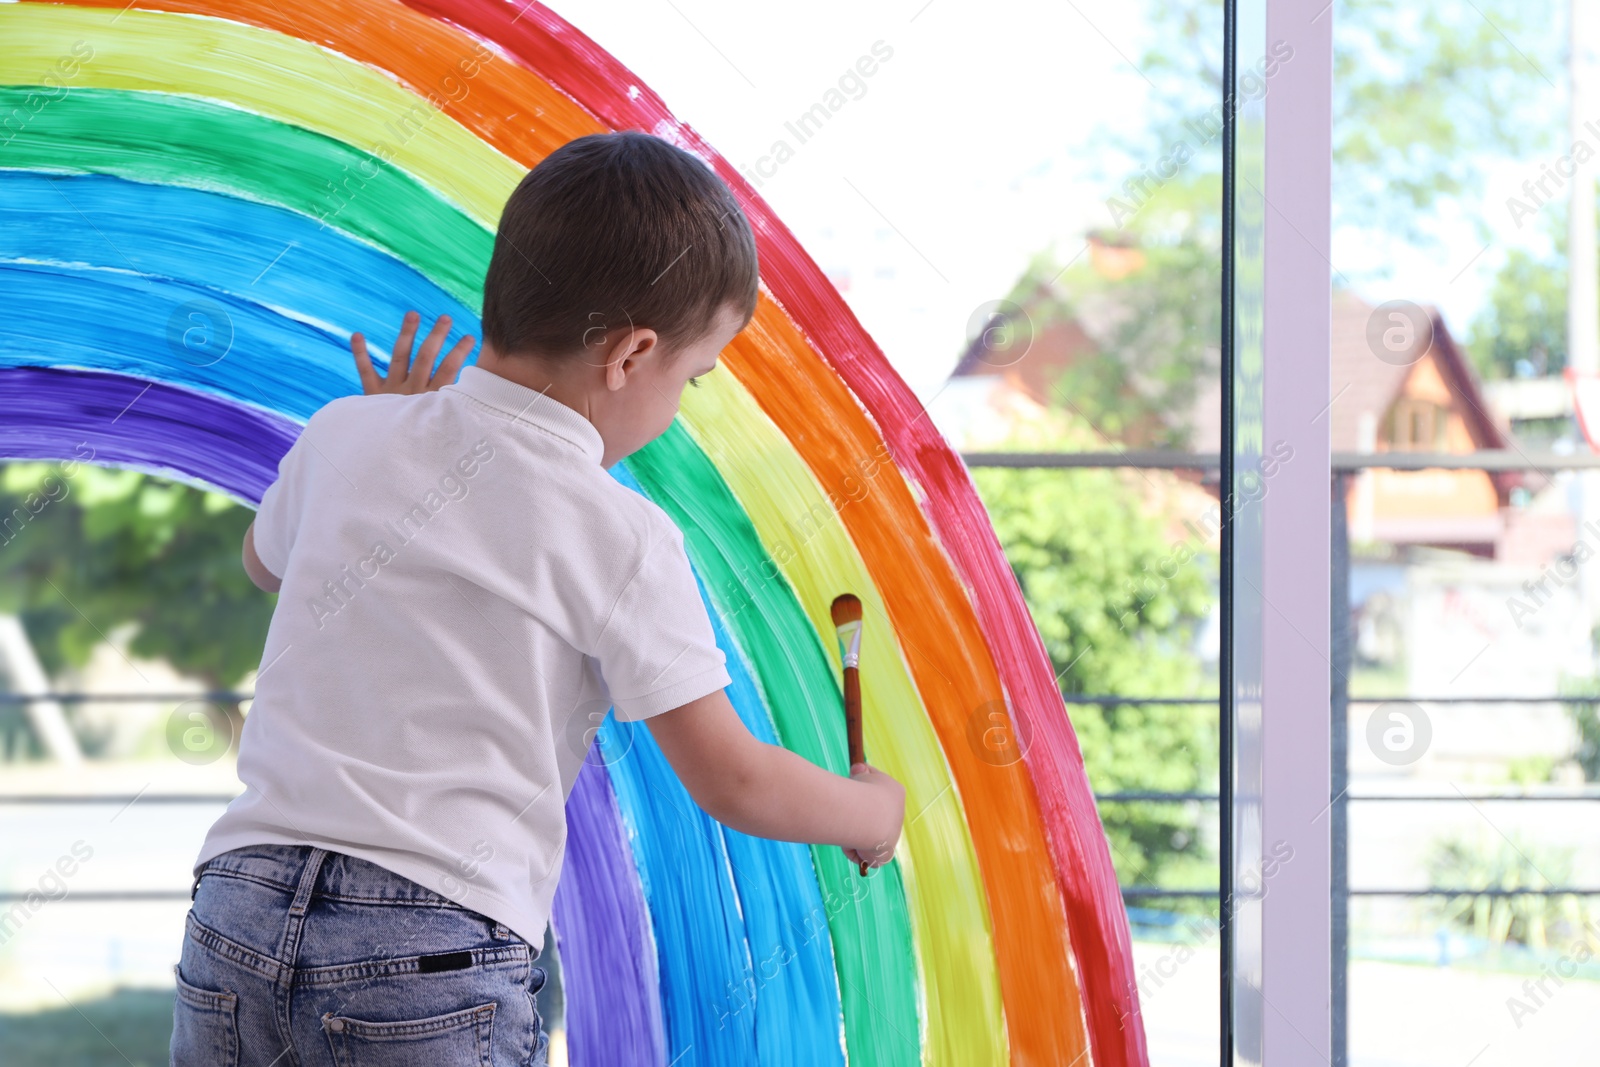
(1005, 391)
(1399, 380)
(1401, 383)
(1460, 582)
(1027, 347)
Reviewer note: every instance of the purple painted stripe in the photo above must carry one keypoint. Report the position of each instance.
(56, 413)
(608, 962)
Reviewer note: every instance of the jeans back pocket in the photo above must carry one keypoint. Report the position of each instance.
(461, 1037)
(205, 1027)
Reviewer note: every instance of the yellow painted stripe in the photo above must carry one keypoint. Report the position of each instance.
(803, 533)
(272, 74)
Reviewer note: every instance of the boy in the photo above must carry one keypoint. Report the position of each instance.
(461, 585)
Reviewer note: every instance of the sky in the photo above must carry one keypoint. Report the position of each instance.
(925, 197)
(967, 150)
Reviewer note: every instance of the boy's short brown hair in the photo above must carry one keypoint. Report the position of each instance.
(614, 230)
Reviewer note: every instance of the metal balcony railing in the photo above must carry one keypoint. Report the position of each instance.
(1343, 465)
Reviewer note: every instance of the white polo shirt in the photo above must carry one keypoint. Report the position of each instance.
(466, 591)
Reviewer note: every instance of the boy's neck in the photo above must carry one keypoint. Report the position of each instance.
(571, 383)
(535, 374)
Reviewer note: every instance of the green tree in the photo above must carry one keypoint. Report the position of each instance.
(1424, 96)
(106, 548)
(1526, 315)
(1156, 329)
(1119, 607)
(1526, 319)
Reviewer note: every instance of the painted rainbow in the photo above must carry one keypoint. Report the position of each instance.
(203, 200)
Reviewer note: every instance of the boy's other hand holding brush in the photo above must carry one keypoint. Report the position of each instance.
(767, 791)
(883, 851)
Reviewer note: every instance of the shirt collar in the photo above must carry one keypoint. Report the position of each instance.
(531, 407)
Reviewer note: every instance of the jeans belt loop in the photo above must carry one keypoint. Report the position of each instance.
(308, 881)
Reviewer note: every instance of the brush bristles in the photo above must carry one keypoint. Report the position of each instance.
(846, 609)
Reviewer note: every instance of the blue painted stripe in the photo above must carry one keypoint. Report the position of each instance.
(174, 332)
(204, 311)
(746, 962)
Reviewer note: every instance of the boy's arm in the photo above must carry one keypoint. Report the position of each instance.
(767, 791)
(265, 580)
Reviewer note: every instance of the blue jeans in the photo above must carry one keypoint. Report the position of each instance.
(296, 956)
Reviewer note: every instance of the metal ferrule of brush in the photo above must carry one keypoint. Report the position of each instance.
(850, 644)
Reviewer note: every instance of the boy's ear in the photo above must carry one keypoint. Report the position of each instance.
(629, 355)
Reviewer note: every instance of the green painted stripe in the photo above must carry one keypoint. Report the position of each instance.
(266, 73)
(871, 935)
(164, 139)
(175, 140)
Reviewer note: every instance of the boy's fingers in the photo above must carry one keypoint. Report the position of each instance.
(452, 363)
(400, 364)
(369, 377)
(422, 369)
(877, 856)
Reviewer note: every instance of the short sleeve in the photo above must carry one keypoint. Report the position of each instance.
(278, 516)
(657, 650)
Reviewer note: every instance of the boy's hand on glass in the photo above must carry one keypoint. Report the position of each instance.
(405, 376)
(892, 796)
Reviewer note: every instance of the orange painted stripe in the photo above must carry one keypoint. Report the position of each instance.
(950, 661)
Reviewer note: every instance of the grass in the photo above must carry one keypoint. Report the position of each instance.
(1378, 682)
(126, 1026)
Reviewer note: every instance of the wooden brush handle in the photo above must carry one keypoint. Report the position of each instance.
(852, 723)
(852, 715)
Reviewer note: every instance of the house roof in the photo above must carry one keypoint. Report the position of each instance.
(973, 361)
(1362, 384)
(1030, 353)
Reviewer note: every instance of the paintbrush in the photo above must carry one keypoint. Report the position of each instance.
(846, 612)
